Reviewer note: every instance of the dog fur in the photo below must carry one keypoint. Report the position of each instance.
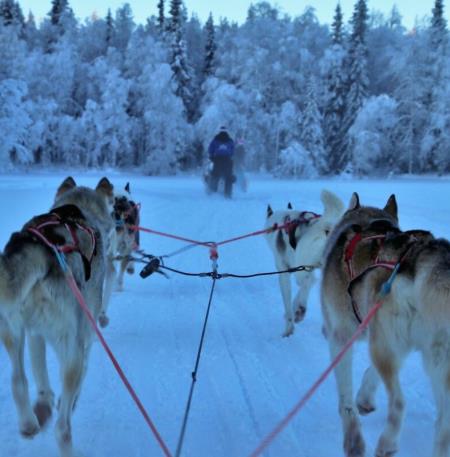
(414, 315)
(339, 318)
(303, 246)
(35, 298)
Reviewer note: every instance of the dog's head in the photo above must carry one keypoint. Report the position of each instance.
(368, 217)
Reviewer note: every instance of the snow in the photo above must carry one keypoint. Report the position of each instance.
(249, 376)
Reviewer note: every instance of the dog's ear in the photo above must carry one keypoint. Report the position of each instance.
(391, 206)
(332, 205)
(105, 187)
(290, 205)
(354, 202)
(269, 211)
(68, 184)
(127, 188)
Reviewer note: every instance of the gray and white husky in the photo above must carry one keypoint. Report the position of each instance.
(124, 241)
(35, 298)
(415, 315)
(351, 248)
(301, 242)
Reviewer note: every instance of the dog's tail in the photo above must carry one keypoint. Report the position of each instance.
(332, 204)
(20, 272)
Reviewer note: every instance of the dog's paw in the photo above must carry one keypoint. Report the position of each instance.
(300, 313)
(386, 448)
(43, 412)
(289, 330)
(103, 320)
(365, 408)
(29, 428)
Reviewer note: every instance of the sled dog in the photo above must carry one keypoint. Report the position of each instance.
(300, 243)
(125, 240)
(352, 248)
(414, 315)
(35, 298)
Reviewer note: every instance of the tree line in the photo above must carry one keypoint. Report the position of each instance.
(363, 96)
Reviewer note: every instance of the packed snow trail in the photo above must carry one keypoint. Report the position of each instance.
(249, 376)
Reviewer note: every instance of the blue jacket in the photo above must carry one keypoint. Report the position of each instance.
(221, 147)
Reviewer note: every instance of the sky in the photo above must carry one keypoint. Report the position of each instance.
(236, 10)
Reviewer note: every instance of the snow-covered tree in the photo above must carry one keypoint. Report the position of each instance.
(182, 72)
(13, 54)
(109, 35)
(164, 133)
(371, 135)
(123, 27)
(311, 131)
(107, 124)
(295, 162)
(161, 16)
(210, 48)
(357, 77)
(14, 123)
(11, 13)
(336, 26)
(335, 77)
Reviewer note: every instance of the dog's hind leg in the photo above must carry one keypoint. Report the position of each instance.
(110, 280)
(14, 345)
(437, 365)
(353, 440)
(387, 356)
(123, 266)
(72, 360)
(44, 403)
(305, 281)
(365, 398)
(285, 286)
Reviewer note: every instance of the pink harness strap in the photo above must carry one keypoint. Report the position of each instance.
(54, 220)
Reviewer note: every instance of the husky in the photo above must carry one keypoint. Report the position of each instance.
(351, 249)
(301, 242)
(415, 315)
(35, 299)
(125, 215)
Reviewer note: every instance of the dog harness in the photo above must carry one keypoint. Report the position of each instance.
(290, 225)
(305, 217)
(127, 217)
(348, 258)
(72, 219)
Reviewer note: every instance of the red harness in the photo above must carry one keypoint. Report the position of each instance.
(305, 217)
(348, 258)
(43, 232)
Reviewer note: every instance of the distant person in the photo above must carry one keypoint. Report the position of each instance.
(221, 151)
(239, 164)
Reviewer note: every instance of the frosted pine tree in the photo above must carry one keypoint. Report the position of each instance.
(109, 33)
(182, 73)
(311, 135)
(11, 13)
(358, 81)
(123, 27)
(436, 141)
(61, 21)
(335, 96)
(210, 48)
(161, 17)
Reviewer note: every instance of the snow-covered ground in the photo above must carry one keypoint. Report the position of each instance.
(249, 376)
